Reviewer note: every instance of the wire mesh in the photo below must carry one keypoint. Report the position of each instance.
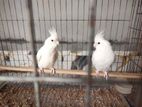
(71, 19)
(120, 19)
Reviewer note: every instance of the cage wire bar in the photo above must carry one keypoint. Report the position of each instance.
(135, 32)
(135, 35)
(33, 47)
(91, 39)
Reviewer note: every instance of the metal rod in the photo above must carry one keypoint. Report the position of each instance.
(91, 39)
(32, 37)
(24, 26)
(13, 29)
(68, 20)
(40, 79)
(138, 97)
(58, 80)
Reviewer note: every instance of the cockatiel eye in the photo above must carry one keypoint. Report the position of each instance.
(98, 42)
(52, 40)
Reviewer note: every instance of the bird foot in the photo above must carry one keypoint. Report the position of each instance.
(53, 70)
(41, 70)
(106, 75)
(97, 73)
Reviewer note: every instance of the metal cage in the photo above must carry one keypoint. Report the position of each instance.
(24, 26)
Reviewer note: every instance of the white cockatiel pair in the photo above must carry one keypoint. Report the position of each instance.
(103, 55)
(48, 53)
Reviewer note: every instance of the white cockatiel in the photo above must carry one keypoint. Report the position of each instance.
(103, 56)
(48, 53)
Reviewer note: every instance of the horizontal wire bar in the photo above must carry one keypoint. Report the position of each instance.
(39, 79)
(70, 20)
(135, 28)
(140, 67)
(56, 80)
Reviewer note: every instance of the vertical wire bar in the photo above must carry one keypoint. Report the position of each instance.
(89, 70)
(24, 29)
(1, 40)
(131, 31)
(9, 32)
(112, 25)
(88, 20)
(105, 26)
(134, 34)
(49, 11)
(83, 23)
(107, 15)
(61, 34)
(118, 19)
(77, 33)
(39, 20)
(2, 52)
(32, 37)
(137, 40)
(56, 24)
(43, 2)
(18, 25)
(13, 31)
(139, 45)
(72, 27)
(112, 19)
(101, 14)
(130, 24)
(138, 102)
(117, 27)
(123, 30)
(67, 33)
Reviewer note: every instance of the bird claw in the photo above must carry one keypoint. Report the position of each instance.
(106, 75)
(97, 73)
(53, 70)
(41, 70)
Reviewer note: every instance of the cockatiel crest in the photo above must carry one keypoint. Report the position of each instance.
(52, 41)
(100, 35)
(103, 56)
(53, 32)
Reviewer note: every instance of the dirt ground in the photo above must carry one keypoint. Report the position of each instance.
(22, 95)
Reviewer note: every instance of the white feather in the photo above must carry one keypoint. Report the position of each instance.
(47, 54)
(103, 56)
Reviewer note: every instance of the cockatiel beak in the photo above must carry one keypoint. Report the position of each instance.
(57, 42)
(94, 45)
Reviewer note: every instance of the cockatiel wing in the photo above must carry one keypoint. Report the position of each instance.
(39, 55)
(55, 56)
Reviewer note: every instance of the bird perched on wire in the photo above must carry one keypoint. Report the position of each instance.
(103, 56)
(48, 53)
